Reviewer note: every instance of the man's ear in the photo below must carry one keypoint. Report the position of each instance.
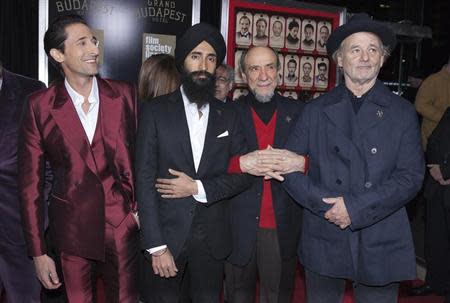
(339, 59)
(244, 77)
(57, 55)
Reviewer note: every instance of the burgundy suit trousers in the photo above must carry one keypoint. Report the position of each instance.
(118, 273)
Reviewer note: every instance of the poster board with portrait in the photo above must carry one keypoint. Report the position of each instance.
(296, 30)
(128, 31)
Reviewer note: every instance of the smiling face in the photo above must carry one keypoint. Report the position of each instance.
(80, 56)
(244, 22)
(324, 33)
(261, 71)
(361, 57)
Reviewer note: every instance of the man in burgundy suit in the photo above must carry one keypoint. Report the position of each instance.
(17, 280)
(85, 127)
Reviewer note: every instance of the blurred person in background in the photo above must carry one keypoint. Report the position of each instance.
(158, 76)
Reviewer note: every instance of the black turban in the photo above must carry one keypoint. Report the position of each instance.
(194, 36)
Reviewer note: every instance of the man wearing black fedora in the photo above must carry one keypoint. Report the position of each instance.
(366, 163)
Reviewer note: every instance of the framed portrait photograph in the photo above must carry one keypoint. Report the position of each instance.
(291, 70)
(293, 33)
(321, 72)
(323, 32)
(237, 72)
(244, 28)
(260, 29)
(277, 31)
(308, 35)
(306, 72)
(280, 69)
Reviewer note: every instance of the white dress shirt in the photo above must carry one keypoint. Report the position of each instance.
(197, 131)
(89, 120)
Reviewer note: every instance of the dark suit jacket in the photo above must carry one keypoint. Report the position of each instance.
(52, 129)
(375, 161)
(162, 143)
(438, 152)
(245, 208)
(14, 91)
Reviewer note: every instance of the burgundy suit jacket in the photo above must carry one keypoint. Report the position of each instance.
(52, 130)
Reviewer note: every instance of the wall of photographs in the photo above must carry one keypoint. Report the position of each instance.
(299, 34)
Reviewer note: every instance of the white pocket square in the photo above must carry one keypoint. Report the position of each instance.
(224, 134)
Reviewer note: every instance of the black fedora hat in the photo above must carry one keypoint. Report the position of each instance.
(361, 23)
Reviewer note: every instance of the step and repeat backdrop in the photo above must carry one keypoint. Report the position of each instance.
(129, 31)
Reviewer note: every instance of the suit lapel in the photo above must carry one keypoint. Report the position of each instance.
(213, 130)
(181, 128)
(69, 123)
(249, 126)
(111, 116)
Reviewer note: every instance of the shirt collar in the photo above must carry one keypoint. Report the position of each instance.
(78, 99)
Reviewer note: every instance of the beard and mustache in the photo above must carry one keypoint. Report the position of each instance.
(198, 86)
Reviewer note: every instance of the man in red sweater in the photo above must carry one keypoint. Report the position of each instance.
(265, 220)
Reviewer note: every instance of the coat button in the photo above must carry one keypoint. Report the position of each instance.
(259, 194)
(338, 181)
(368, 185)
(257, 218)
(373, 150)
(336, 149)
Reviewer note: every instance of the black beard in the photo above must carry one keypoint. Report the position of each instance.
(198, 90)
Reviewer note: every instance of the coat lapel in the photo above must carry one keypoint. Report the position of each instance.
(249, 126)
(69, 123)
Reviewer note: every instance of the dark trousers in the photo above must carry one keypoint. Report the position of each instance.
(322, 289)
(437, 243)
(18, 282)
(118, 272)
(276, 275)
(199, 278)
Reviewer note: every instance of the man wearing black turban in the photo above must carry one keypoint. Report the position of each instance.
(185, 142)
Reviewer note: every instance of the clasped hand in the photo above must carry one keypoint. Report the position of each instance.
(272, 163)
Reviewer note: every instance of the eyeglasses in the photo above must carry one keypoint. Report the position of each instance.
(222, 80)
